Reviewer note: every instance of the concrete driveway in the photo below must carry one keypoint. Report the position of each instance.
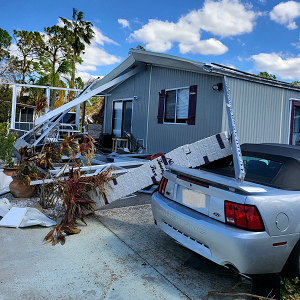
(119, 255)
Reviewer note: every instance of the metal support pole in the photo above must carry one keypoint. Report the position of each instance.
(104, 119)
(82, 118)
(48, 99)
(77, 117)
(13, 108)
(236, 149)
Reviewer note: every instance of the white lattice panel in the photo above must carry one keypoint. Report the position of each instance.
(189, 156)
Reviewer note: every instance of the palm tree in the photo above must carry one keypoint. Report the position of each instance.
(80, 32)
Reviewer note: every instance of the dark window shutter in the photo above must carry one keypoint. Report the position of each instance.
(161, 107)
(192, 105)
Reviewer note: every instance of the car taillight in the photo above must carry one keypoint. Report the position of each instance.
(243, 216)
(162, 185)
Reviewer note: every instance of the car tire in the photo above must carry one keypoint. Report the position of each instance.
(291, 268)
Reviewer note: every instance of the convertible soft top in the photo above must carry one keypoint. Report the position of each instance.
(282, 150)
(285, 175)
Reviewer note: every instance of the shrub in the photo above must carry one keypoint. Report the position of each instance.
(7, 141)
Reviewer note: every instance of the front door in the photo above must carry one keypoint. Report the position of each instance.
(122, 117)
(295, 124)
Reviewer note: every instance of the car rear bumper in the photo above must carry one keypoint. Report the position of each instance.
(248, 252)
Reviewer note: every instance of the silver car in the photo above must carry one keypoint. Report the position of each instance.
(251, 227)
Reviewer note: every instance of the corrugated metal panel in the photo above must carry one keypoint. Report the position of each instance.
(165, 137)
(261, 111)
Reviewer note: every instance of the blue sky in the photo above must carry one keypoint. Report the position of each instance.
(252, 36)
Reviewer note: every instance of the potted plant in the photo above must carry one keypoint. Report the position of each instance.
(7, 141)
(27, 170)
(76, 201)
(36, 165)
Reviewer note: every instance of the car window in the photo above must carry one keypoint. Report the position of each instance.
(257, 169)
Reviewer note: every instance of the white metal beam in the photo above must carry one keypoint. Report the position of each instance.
(41, 86)
(48, 99)
(236, 149)
(13, 108)
(88, 95)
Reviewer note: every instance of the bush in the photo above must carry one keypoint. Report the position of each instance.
(7, 141)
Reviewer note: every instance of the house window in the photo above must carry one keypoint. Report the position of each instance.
(177, 105)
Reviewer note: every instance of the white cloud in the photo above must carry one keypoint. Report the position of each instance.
(85, 68)
(101, 39)
(223, 18)
(205, 47)
(297, 44)
(285, 13)
(95, 55)
(14, 50)
(274, 63)
(85, 76)
(124, 23)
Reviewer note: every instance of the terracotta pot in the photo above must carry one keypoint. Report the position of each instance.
(9, 171)
(20, 190)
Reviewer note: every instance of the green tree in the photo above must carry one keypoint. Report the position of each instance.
(5, 102)
(79, 84)
(5, 42)
(295, 82)
(7, 141)
(80, 32)
(266, 75)
(27, 43)
(139, 47)
(54, 55)
(10, 69)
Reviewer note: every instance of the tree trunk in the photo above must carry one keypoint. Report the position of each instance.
(52, 101)
(72, 77)
(23, 77)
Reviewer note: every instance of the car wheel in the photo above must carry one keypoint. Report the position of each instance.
(291, 268)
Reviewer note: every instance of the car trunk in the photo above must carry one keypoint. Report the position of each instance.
(200, 193)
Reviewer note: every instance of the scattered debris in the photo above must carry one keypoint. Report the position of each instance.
(25, 216)
(5, 206)
(189, 156)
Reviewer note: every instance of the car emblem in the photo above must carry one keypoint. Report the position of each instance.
(216, 214)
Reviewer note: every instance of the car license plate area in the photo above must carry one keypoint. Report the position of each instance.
(193, 199)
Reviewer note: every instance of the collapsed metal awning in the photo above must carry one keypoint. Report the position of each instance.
(45, 123)
(84, 96)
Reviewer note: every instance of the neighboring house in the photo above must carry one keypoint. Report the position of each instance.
(25, 116)
(175, 101)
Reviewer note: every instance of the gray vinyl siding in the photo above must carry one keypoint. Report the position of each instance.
(261, 111)
(166, 137)
(134, 86)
